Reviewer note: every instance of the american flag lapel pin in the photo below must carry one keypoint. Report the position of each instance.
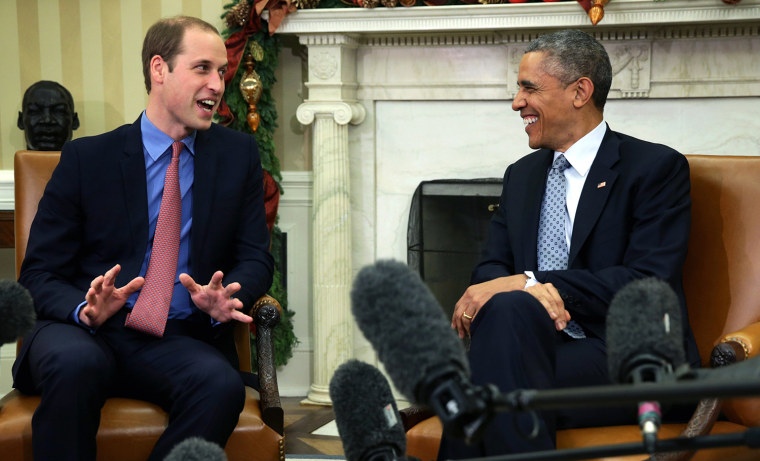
(601, 184)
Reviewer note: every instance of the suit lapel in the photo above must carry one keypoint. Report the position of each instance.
(596, 190)
(203, 187)
(534, 195)
(134, 185)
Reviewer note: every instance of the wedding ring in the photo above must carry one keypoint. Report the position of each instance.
(468, 317)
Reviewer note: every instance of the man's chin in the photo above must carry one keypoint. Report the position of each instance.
(46, 145)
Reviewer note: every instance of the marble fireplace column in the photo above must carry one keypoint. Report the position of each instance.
(331, 106)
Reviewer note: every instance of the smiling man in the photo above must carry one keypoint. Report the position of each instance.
(148, 241)
(586, 213)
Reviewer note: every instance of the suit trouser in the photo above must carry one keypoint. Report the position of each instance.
(76, 372)
(515, 345)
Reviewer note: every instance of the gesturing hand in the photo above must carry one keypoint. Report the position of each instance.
(104, 299)
(214, 299)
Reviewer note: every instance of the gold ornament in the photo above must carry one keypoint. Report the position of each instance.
(389, 3)
(596, 12)
(251, 86)
(238, 15)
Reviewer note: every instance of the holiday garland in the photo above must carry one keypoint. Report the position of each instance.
(239, 15)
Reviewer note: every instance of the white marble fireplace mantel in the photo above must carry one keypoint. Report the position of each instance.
(401, 95)
(514, 16)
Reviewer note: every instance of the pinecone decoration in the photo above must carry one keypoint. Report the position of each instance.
(306, 4)
(389, 3)
(238, 15)
(369, 3)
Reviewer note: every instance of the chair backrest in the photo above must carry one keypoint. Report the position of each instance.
(722, 270)
(31, 172)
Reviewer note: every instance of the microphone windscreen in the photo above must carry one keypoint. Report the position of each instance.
(365, 411)
(196, 449)
(644, 318)
(405, 324)
(16, 311)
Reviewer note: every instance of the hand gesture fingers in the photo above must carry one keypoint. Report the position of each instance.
(104, 299)
(215, 299)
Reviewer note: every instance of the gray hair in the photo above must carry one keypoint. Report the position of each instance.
(572, 54)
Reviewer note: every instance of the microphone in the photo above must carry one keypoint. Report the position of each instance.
(425, 359)
(645, 343)
(16, 311)
(196, 449)
(366, 414)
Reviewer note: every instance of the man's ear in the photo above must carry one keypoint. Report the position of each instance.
(584, 89)
(20, 122)
(157, 69)
(75, 122)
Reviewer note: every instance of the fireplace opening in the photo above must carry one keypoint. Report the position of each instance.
(448, 228)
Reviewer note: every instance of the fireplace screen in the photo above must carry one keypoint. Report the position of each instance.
(448, 227)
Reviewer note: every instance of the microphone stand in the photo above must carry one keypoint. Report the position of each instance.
(676, 391)
(750, 438)
(682, 387)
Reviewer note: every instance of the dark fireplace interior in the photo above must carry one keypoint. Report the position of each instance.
(448, 227)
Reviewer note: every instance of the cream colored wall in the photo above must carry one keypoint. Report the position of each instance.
(92, 47)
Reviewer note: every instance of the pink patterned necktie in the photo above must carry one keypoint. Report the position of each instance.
(152, 306)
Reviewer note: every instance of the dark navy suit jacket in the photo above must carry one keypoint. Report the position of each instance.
(633, 221)
(94, 214)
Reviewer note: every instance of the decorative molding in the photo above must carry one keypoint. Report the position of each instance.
(549, 15)
(7, 193)
(343, 40)
(342, 112)
(297, 188)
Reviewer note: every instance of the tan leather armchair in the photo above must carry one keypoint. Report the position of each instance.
(130, 428)
(722, 283)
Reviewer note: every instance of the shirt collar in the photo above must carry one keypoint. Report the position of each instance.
(156, 142)
(582, 154)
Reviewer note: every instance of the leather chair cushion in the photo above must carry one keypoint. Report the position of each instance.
(129, 429)
(424, 438)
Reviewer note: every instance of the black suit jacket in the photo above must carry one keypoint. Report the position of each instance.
(632, 222)
(94, 214)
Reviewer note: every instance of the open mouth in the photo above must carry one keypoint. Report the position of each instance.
(207, 105)
(529, 120)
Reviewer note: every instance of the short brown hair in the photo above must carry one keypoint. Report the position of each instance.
(164, 39)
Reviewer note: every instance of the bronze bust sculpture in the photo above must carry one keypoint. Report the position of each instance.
(47, 116)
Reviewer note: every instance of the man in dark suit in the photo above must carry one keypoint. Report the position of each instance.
(99, 243)
(539, 296)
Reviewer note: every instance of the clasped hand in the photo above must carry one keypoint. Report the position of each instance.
(475, 297)
(104, 299)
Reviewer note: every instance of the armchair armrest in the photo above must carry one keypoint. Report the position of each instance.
(266, 313)
(413, 415)
(731, 348)
(737, 346)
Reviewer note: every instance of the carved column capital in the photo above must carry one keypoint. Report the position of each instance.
(342, 112)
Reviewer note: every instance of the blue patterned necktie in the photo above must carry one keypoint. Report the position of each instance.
(552, 248)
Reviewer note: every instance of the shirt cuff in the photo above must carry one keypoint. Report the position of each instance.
(78, 322)
(531, 280)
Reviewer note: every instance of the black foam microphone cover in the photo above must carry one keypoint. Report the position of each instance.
(366, 413)
(16, 311)
(399, 316)
(644, 330)
(196, 449)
